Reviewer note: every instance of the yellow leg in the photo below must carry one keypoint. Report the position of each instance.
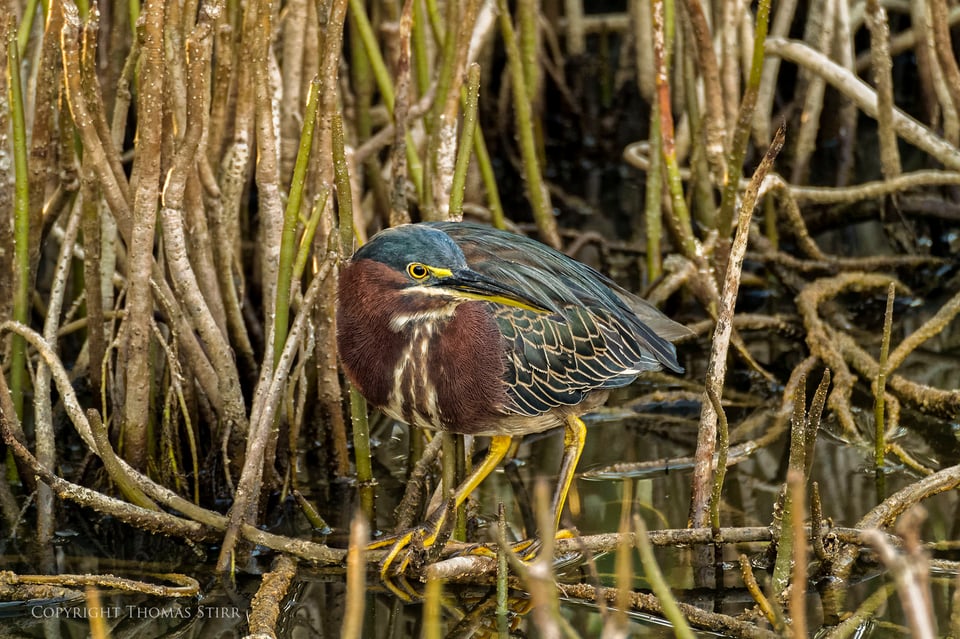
(398, 545)
(499, 446)
(573, 439)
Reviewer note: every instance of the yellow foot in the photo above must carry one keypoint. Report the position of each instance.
(414, 543)
(402, 589)
(526, 550)
(419, 545)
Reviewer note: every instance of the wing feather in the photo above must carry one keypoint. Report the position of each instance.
(597, 336)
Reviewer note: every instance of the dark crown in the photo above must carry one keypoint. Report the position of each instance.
(399, 246)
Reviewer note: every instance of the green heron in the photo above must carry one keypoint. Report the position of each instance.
(466, 329)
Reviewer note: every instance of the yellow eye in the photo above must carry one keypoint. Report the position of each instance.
(417, 270)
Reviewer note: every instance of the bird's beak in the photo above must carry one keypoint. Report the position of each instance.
(474, 285)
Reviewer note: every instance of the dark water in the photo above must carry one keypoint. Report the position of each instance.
(315, 605)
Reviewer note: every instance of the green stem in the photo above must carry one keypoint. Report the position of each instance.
(448, 467)
(306, 242)
(527, 29)
(362, 79)
(133, 6)
(433, 14)
(663, 21)
(358, 405)
(291, 216)
(361, 451)
(658, 583)
(363, 86)
(26, 26)
(880, 449)
(130, 490)
(362, 23)
(317, 522)
(432, 609)
(21, 227)
(770, 221)
(503, 574)
(460, 473)
(654, 197)
(723, 448)
(702, 200)
(448, 63)
(782, 568)
(421, 63)
(536, 190)
(487, 175)
(497, 217)
(741, 135)
(466, 141)
(527, 16)
(344, 194)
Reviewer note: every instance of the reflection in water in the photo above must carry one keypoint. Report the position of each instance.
(469, 607)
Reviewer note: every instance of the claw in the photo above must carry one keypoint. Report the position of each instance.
(428, 535)
(525, 550)
(404, 591)
(432, 530)
(402, 542)
(431, 534)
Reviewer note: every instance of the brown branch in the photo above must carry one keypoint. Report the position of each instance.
(881, 516)
(715, 129)
(819, 337)
(865, 98)
(185, 586)
(716, 368)
(265, 606)
(114, 184)
(642, 602)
